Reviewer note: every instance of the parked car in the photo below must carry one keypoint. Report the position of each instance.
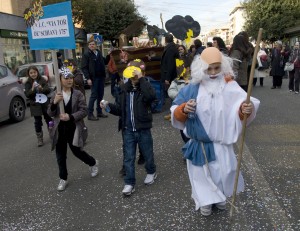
(13, 99)
(46, 70)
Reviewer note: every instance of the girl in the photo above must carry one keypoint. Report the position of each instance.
(37, 84)
(69, 127)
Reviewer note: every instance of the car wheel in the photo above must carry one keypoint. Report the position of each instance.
(17, 109)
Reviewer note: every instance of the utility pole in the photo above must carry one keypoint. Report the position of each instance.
(162, 22)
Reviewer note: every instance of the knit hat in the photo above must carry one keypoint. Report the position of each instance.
(136, 64)
(211, 55)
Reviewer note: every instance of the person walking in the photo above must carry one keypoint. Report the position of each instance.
(37, 86)
(210, 111)
(68, 127)
(294, 75)
(93, 68)
(134, 110)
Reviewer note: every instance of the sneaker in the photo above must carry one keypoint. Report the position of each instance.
(221, 205)
(150, 178)
(291, 90)
(94, 169)
(206, 210)
(128, 190)
(296, 92)
(62, 185)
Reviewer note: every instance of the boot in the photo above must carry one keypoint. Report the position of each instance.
(40, 138)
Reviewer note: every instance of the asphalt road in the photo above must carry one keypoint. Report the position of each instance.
(29, 177)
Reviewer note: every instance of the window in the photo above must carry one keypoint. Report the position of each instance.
(3, 71)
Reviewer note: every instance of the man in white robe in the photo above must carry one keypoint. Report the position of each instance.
(220, 107)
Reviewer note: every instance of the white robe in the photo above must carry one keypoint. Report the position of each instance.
(220, 118)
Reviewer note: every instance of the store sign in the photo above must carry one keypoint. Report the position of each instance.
(13, 34)
(54, 30)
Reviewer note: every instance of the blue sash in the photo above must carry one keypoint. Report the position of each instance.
(192, 150)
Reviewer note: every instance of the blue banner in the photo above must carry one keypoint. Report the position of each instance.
(54, 30)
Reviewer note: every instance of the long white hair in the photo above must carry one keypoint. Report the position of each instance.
(199, 67)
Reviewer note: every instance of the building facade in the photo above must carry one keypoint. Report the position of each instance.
(14, 45)
(237, 21)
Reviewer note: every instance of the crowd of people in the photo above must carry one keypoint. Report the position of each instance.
(207, 87)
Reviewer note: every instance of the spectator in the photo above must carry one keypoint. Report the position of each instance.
(78, 78)
(262, 69)
(241, 55)
(209, 44)
(220, 44)
(114, 75)
(59, 60)
(168, 62)
(277, 65)
(191, 52)
(93, 68)
(294, 76)
(198, 46)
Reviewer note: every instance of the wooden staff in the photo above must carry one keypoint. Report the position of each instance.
(250, 84)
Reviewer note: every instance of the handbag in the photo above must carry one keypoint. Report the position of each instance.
(288, 66)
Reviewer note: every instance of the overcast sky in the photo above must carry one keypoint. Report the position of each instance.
(209, 13)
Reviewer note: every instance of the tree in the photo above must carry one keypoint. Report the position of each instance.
(106, 17)
(273, 16)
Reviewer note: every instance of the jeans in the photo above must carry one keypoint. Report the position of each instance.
(130, 140)
(97, 92)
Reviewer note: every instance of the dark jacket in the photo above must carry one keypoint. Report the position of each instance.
(277, 63)
(143, 98)
(36, 109)
(89, 62)
(168, 62)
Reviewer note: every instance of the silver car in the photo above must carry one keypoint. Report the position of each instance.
(12, 96)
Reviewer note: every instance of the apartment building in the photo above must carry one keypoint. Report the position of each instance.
(237, 21)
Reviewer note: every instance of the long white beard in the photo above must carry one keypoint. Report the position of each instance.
(213, 86)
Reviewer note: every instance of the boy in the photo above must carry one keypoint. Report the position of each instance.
(134, 108)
